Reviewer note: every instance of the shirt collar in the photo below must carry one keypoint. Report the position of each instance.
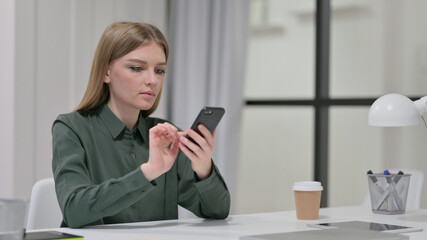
(115, 126)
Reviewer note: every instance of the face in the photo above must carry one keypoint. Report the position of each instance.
(135, 80)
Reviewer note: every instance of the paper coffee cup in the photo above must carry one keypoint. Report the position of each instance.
(307, 199)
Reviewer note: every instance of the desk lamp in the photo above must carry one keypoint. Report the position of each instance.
(395, 110)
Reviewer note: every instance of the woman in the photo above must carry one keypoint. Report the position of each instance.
(112, 163)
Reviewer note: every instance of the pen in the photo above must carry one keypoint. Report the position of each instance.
(382, 200)
(397, 179)
(386, 172)
(375, 180)
(384, 194)
(391, 185)
(399, 187)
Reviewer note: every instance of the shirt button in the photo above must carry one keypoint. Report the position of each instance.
(135, 184)
(133, 155)
(133, 206)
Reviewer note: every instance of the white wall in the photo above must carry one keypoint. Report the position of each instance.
(7, 43)
(55, 42)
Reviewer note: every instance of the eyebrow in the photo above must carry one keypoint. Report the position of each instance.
(135, 60)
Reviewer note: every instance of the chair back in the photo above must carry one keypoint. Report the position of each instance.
(44, 211)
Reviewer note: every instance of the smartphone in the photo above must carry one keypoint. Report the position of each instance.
(209, 117)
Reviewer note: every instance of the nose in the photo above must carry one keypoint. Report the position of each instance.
(151, 79)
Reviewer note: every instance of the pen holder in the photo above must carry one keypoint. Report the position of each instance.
(388, 193)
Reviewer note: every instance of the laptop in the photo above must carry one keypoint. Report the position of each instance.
(328, 234)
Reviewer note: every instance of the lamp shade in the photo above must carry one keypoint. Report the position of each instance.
(393, 110)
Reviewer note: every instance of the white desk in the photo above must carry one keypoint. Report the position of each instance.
(239, 225)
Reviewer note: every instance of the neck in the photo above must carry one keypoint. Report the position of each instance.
(129, 116)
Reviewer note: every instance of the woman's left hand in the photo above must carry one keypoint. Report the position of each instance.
(201, 154)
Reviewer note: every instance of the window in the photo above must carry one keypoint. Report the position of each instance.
(277, 139)
(299, 126)
(377, 47)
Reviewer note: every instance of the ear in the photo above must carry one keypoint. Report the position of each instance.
(107, 76)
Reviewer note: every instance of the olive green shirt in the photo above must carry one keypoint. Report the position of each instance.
(98, 179)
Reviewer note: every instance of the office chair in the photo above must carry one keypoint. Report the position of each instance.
(44, 211)
(414, 192)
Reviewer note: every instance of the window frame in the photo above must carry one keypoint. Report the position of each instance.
(322, 100)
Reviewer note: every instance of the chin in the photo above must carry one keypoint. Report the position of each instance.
(141, 104)
(144, 107)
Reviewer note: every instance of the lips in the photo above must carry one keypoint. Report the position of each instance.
(148, 94)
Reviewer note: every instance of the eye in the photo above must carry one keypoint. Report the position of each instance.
(160, 71)
(136, 68)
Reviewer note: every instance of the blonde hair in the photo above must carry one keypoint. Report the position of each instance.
(118, 39)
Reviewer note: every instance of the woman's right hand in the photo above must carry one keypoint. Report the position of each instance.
(164, 146)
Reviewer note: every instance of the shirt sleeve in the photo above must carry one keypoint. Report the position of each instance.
(208, 198)
(82, 202)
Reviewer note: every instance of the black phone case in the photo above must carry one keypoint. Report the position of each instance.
(209, 117)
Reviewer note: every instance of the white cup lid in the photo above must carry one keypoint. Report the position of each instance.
(307, 186)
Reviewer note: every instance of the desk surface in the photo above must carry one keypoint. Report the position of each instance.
(236, 226)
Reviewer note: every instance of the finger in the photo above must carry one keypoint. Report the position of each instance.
(155, 132)
(159, 129)
(194, 148)
(196, 137)
(182, 134)
(161, 137)
(170, 126)
(206, 134)
(172, 130)
(206, 141)
(174, 147)
(190, 154)
(166, 130)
